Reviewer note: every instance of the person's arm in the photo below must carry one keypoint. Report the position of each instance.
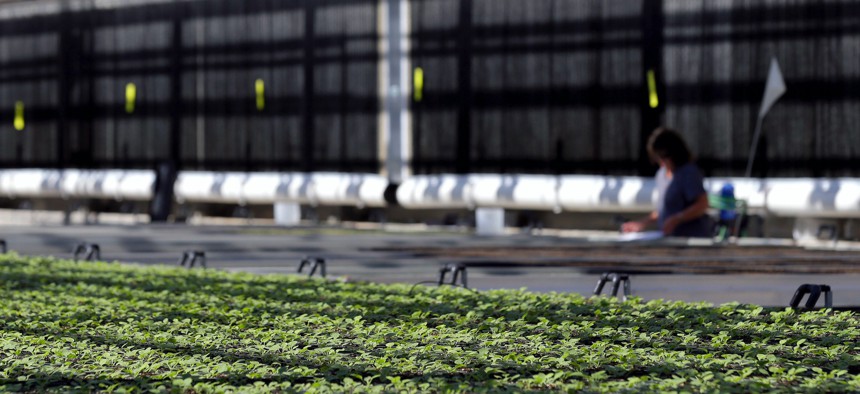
(693, 212)
(661, 181)
(636, 226)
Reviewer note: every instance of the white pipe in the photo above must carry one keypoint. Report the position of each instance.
(435, 191)
(515, 191)
(75, 183)
(198, 187)
(607, 194)
(107, 184)
(261, 187)
(538, 192)
(792, 197)
(30, 183)
(810, 197)
(326, 188)
(268, 188)
(801, 197)
(296, 188)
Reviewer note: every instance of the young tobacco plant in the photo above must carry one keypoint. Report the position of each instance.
(72, 326)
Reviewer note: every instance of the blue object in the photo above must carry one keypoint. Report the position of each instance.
(728, 192)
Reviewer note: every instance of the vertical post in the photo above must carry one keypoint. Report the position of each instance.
(200, 89)
(82, 155)
(342, 164)
(464, 79)
(308, 141)
(176, 90)
(753, 148)
(64, 83)
(650, 105)
(162, 196)
(397, 91)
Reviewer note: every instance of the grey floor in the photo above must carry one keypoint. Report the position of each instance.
(351, 255)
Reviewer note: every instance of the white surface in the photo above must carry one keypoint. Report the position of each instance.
(75, 183)
(833, 198)
(361, 190)
(641, 236)
(490, 221)
(288, 214)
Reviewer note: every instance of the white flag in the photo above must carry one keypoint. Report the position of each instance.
(774, 88)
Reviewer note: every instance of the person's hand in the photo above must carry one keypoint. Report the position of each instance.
(632, 227)
(670, 224)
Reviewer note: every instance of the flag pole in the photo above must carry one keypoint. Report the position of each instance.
(757, 134)
(754, 147)
(773, 89)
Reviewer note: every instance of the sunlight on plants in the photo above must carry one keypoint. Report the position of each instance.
(70, 326)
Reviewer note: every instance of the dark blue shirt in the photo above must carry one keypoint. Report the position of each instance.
(686, 187)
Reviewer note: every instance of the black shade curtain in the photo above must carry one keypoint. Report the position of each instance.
(213, 84)
(29, 83)
(560, 86)
(716, 60)
(537, 86)
(527, 86)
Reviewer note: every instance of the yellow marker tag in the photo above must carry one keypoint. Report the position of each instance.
(130, 97)
(19, 115)
(652, 90)
(260, 88)
(418, 84)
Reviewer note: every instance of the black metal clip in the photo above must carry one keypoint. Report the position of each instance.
(458, 271)
(91, 252)
(3, 246)
(617, 280)
(314, 263)
(193, 256)
(814, 292)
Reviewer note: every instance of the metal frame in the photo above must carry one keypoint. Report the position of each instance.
(814, 292)
(617, 279)
(192, 256)
(458, 271)
(313, 263)
(91, 252)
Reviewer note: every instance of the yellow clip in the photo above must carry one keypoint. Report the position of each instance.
(260, 87)
(418, 84)
(19, 115)
(130, 97)
(652, 90)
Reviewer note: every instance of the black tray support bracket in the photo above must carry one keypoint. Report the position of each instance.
(90, 252)
(619, 280)
(191, 257)
(458, 272)
(313, 263)
(814, 292)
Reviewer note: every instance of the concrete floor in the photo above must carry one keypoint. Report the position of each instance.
(349, 254)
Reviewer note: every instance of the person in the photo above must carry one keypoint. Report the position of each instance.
(683, 210)
(661, 181)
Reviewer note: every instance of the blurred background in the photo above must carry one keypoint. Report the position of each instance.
(408, 95)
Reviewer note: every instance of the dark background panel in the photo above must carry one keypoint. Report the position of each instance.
(716, 60)
(549, 86)
(543, 86)
(195, 66)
